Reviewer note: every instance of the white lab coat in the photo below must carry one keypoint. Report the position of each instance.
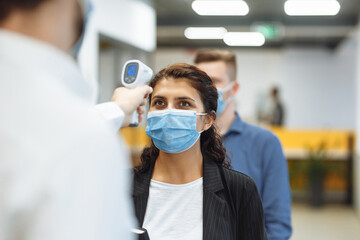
(62, 168)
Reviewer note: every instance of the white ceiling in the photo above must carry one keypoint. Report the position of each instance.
(173, 16)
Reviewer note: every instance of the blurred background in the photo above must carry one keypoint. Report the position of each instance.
(310, 54)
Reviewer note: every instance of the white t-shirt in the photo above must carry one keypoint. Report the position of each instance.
(175, 211)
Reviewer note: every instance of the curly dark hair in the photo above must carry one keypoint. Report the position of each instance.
(6, 6)
(210, 140)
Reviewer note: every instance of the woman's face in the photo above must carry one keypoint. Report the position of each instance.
(178, 94)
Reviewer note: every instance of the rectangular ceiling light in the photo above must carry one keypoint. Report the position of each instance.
(220, 8)
(311, 7)
(246, 39)
(205, 32)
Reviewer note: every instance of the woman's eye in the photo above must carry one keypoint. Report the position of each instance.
(158, 103)
(185, 104)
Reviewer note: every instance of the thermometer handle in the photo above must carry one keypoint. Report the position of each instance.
(134, 120)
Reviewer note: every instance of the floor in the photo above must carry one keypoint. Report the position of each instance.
(331, 222)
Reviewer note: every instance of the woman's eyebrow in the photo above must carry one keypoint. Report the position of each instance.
(157, 96)
(185, 98)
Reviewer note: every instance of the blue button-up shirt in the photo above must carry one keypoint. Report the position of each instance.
(257, 152)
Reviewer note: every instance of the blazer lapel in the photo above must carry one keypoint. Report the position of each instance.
(214, 205)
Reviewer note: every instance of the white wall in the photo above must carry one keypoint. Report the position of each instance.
(317, 85)
(128, 21)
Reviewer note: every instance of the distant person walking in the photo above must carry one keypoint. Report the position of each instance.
(277, 114)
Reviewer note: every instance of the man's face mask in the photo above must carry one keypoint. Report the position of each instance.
(86, 9)
(221, 102)
(173, 130)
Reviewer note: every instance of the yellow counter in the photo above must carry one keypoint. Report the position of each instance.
(296, 144)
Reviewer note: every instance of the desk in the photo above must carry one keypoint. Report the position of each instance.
(339, 152)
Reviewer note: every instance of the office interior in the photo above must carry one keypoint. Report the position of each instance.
(313, 60)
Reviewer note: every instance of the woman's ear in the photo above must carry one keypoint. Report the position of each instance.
(209, 120)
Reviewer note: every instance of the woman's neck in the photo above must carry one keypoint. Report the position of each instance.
(179, 168)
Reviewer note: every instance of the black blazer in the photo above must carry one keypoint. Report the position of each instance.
(232, 207)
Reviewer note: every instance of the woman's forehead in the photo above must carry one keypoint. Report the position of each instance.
(170, 87)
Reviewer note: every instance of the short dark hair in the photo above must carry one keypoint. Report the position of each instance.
(214, 55)
(210, 141)
(7, 6)
(275, 91)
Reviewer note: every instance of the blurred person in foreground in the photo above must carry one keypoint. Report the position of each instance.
(183, 188)
(253, 150)
(62, 168)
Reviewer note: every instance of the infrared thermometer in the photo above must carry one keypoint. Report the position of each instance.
(135, 74)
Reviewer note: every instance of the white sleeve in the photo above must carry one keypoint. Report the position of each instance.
(112, 113)
(89, 195)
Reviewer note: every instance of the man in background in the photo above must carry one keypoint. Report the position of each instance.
(62, 168)
(253, 150)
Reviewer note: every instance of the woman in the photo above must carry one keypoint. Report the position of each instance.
(184, 188)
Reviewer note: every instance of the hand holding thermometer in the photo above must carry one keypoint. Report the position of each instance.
(135, 74)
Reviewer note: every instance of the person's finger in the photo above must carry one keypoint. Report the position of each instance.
(144, 91)
(146, 96)
(147, 90)
(141, 110)
(143, 102)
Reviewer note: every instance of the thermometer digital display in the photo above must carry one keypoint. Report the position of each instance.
(134, 74)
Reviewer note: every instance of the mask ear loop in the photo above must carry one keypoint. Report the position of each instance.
(226, 89)
(201, 114)
(229, 99)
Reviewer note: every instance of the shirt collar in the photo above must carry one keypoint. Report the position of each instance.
(237, 126)
(43, 58)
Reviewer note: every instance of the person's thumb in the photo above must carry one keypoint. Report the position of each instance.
(146, 90)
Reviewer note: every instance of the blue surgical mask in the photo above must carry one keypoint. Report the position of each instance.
(221, 103)
(173, 130)
(87, 8)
